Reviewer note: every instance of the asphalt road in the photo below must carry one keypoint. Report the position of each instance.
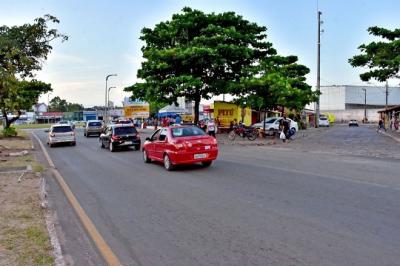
(254, 206)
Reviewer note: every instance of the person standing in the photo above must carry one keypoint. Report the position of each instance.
(381, 126)
(284, 125)
(211, 127)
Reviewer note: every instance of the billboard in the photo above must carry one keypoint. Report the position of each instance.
(137, 111)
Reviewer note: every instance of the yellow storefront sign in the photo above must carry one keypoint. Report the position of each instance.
(227, 112)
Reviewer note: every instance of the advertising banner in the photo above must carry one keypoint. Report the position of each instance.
(137, 111)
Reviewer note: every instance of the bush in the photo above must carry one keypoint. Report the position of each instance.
(9, 132)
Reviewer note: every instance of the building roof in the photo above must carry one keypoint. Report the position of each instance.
(390, 109)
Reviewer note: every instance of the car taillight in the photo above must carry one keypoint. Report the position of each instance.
(215, 142)
(114, 137)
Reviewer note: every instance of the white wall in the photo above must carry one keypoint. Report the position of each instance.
(358, 114)
(332, 98)
(375, 95)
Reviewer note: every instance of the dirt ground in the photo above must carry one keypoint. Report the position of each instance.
(24, 238)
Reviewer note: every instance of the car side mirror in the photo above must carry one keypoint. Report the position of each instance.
(149, 139)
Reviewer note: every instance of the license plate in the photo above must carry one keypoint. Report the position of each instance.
(128, 142)
(200, 156)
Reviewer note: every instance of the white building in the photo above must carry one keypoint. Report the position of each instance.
(40, 108)
(347, 102)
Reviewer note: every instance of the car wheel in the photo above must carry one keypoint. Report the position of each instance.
(167, 163)
(146, 159)
(206, 163)
(111, 146)
(137, 147)
(73, 143)
(50, 145)
(84, 134)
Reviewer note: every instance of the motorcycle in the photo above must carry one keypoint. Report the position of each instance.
(250, 132)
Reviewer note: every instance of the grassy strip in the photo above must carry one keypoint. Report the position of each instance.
(24, 238)
(32, 126)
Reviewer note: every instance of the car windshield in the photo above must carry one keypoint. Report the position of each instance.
(94, 124)
(270, 120)
(124, 130)
(61, 129)
(187, 132)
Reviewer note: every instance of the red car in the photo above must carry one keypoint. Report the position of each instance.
(180, 145)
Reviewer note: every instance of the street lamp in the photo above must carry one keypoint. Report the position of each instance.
(108, 96)
(365, 104)
(105, 101)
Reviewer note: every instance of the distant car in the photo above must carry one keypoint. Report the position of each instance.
(272, 124)
(65, 122)
(61, 133)
(177, 145)
(120, 135)
(353, 123)
(323, 122)
(93, 127)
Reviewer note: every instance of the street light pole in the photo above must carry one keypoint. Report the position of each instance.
(365, 104)
(105, 101)
(108, 96)
(318, 69)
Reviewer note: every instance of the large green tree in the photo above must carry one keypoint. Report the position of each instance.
(276, 81)
(22, 52)
(382, 57)
(20, 95)
(61, 105)
(197, 55)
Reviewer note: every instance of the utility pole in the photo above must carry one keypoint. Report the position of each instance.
(386, 94)
(318, 70)
(365, 105)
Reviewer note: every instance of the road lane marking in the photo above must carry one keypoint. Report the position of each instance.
(105, 250)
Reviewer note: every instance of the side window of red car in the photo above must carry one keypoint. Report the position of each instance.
(155, 135)
(163, 135)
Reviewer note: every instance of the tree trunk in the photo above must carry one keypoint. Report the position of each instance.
(10, 121)
(265, 112)
(196, 110)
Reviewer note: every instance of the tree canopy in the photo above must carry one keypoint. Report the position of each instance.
(21, 95)
(197, 55)
(22, 52)
(276, 81)
(61, 105)
(382, 58)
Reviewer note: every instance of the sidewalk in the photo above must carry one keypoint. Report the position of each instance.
(392, 134)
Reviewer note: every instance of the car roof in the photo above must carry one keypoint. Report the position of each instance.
(60, 125)
(121, 125)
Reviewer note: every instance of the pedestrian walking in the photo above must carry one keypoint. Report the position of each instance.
(284, 126)
(381, 126)
(211, 127)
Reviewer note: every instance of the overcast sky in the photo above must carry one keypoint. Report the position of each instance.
(104, 36)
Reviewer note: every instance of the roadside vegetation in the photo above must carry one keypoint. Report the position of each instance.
(24, 238)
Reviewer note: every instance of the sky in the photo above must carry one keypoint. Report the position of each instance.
(104, 37)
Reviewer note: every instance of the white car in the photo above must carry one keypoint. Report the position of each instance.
(61, 133)
(323, 122)
(272, 124)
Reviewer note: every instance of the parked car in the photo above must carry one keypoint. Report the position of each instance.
(353, 123)
(61, 133)
(93, 127)
(323, 122)
(180, 145)
(120, 135)
(272, 124)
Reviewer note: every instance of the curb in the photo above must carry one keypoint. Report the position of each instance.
(98, 240)
(390, 136)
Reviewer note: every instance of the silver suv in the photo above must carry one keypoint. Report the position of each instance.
(93, 127)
